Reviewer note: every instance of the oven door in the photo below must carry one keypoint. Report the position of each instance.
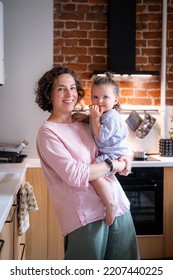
(146, 206)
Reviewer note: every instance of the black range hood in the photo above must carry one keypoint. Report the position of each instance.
(122, 39)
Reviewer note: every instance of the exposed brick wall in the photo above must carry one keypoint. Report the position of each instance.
(80, 42)
(148, 34)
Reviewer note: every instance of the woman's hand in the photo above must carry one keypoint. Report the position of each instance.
(100, 169)
(128, 165)
(80, 117)
(119, 166)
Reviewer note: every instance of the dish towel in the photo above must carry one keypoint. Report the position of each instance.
(26, 202)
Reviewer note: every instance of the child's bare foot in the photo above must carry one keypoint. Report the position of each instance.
(110, 213)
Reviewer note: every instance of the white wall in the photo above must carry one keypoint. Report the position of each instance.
(1, 44)
(28, 50)
(150, 142)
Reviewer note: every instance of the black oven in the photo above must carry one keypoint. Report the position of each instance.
(144, 189)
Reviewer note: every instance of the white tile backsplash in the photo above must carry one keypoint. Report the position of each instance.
(168, 118)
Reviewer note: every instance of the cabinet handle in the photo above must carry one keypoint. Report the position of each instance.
(13, 215)
(23, 250)
(1, 244)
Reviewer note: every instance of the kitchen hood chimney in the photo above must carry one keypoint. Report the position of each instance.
(122, 39)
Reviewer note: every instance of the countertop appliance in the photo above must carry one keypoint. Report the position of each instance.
(147, 158)
(144, 189)
(10, 153)
(142, 155)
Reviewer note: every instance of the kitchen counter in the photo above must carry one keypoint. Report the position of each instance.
(12, 175)
(159, 162)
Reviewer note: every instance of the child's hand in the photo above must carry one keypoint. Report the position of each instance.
(80, 117)
(95, 111)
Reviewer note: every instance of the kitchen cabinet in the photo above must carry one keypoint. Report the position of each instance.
(6, 236)
(168, 212)
(55, 238)
(11, 244)
(151, 247)
(18, 241)
(44, 239)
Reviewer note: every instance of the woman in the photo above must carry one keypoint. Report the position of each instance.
(67, 151)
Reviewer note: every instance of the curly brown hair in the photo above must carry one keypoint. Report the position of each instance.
(44, 88)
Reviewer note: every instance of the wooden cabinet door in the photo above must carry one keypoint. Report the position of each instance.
(151, 247)
(7, 235)
(19, 241)
(36, 235)
(168, 212)
(44, 239)
(55, 238)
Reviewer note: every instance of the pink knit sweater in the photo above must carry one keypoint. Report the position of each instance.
(65, 152)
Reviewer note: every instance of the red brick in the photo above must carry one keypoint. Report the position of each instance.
(80, 42)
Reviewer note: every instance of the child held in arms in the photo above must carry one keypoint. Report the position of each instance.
(109, 132)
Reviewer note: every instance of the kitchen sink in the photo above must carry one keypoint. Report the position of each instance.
(6, 177)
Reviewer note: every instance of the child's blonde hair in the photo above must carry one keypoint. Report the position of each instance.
(108, 80)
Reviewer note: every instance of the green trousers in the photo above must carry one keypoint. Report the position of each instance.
(97, 241)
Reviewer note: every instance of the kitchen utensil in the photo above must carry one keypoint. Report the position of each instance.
(133, 120)
(145, 126)
(142, 154)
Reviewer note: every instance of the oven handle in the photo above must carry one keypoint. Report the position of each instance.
(140, 186)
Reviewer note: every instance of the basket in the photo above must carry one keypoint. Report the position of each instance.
(166, 147)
